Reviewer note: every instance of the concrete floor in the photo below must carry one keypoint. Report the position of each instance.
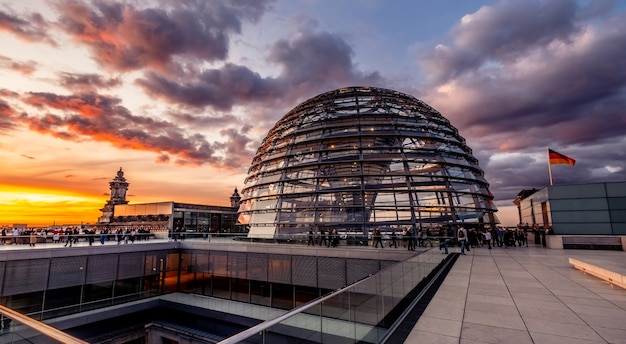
(525, 295)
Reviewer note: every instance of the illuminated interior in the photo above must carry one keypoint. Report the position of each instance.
(362, 157)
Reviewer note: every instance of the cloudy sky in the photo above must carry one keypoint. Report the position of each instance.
(180, 93)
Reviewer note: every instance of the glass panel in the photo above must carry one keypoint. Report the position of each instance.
(282, 296)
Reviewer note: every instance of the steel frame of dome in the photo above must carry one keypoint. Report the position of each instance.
(362, 157)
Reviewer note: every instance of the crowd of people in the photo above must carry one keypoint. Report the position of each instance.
(328, 238)
(444, 237)
(71, 235)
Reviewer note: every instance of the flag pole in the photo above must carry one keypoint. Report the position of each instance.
(549, 165)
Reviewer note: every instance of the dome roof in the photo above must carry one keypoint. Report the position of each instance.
(362, 157)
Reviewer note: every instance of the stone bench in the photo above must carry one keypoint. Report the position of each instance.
(587, 242)
(610, 276)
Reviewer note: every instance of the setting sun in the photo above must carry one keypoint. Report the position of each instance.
(40, 207)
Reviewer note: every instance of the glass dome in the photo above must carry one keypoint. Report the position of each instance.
(362, 157)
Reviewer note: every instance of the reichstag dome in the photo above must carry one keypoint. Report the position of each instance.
(362, 157)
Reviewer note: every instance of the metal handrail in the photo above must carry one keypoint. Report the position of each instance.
(40, 327)
(269, 323)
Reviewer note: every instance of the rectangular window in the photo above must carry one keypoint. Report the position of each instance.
(282, 296)
(260, 293)
(221, 287)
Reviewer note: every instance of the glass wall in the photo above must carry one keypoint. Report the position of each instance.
(79, 283)
(193, 219)
(362, 157)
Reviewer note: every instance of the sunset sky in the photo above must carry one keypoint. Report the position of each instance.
(180, 93)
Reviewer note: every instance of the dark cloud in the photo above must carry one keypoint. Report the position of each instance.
(309, 64)
(7, 114)
(27, 156)
(203, 120)
(32, 28)
(5, 109)
(87, 81)
(218, 88)
(236, 147)
(520, 76)
(123, 37)
(571, 77)
(101, 118)
(501, 33)
(315, 62)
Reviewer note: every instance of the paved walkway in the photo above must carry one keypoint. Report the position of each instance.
(525, 295)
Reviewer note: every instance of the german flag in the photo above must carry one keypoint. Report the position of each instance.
(558, 158)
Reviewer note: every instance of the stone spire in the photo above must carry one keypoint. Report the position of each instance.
(118, 188)
(235, 199)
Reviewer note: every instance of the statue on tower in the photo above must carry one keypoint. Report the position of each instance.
(118, 188)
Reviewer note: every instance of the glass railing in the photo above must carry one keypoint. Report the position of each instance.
(18, 328)
(365, 312)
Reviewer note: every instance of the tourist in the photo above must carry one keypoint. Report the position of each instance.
(75, 235)
(68, 237)
(487, 235)
(334, 238)
(443, 244)
(494, 236)
(377, 236)
(16, 235)
(394, 239)
(119, 235)
(323, 238)
(462, 238)
(420, 238)
(404, 237)
(90, 238)
(410, 238)
(33, 238)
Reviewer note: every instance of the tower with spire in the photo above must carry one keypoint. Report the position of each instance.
(235, 199)
(118, 188)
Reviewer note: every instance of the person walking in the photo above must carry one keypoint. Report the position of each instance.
(323, 241)
(461, 236)
(394, 239)
(442, 237)
(334, 238)
(33, 238)
(411, 238)
(311, 241)
(68, 237)
(494, 236)
(377, 238)
(487, 235)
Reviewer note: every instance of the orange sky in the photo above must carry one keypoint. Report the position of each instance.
(52, 181)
